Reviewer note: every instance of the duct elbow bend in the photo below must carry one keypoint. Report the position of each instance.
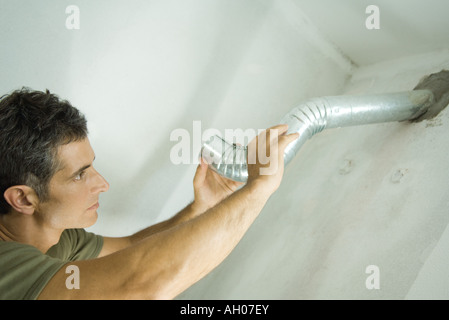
(231, 160)
(307, 119)
(228, 160)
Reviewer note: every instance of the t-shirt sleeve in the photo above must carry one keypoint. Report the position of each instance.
(25, 271)
(77, 244)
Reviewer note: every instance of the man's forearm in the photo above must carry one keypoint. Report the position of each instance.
(164, 264)
(189, 212)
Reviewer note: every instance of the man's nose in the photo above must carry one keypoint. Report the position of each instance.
(101, 185)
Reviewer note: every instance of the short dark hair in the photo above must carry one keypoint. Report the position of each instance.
(33, 124)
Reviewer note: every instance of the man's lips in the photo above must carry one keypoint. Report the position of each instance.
(95, 206)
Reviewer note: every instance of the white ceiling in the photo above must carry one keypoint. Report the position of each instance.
(407, 27)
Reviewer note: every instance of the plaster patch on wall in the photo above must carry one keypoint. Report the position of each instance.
(438, 83)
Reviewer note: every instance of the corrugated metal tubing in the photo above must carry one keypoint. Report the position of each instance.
(315, 115)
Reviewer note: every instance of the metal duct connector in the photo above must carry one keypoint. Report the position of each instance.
(312, 117)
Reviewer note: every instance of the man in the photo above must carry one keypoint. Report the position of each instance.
(50, 193)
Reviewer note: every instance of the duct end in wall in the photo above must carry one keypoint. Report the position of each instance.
(438, 84)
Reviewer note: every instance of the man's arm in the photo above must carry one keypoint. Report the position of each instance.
(163, 265)
(111, 244)
(166, 263)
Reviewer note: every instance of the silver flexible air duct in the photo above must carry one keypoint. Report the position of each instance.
(312, 117)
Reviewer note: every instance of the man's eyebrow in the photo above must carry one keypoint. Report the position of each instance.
(77, 172)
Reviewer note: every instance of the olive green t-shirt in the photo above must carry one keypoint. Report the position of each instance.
(25, 271)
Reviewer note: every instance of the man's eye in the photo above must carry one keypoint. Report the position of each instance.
(80, 176)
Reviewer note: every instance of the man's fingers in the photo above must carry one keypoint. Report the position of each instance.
(285, 140)
(280, 127)
(276, 131)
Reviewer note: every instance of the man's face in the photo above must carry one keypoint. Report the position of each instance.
(73, 190)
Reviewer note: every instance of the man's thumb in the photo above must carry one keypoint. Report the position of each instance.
(200, 174)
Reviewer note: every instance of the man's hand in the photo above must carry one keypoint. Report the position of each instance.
(210, 188)
(266, 158)
(265, 164)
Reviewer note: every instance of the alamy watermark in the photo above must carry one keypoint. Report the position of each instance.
(73, 280)
(188, 148)
(189, 145)
(372, 22)
(373, 280)
(72, 21)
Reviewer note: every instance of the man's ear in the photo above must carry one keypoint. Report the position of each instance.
(22, 199)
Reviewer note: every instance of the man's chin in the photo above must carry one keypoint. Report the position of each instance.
(91, 219)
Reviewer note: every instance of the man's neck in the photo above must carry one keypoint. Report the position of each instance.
(26, 230)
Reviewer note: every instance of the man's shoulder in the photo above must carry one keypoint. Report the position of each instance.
(24, 270)
(77, 244)
(11, 247)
